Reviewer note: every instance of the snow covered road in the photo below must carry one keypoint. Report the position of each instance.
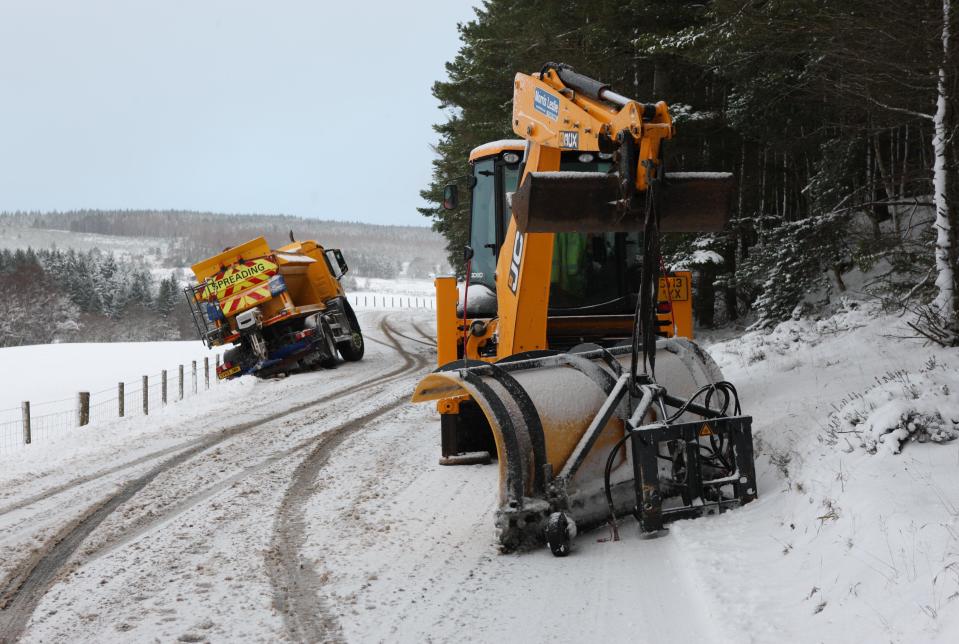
(320, 515)
(119, 511)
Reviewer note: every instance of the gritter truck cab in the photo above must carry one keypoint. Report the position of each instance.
(282, 309)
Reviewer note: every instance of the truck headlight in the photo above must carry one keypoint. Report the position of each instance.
(277, 285)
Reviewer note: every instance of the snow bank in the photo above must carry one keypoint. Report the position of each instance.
(902, 406)
(850, 540)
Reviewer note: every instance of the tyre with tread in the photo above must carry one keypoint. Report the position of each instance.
(329, 351)
(560, 531)
(238, 355)
(352, 349)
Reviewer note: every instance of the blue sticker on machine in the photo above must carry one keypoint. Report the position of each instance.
(570, 140)
(546, 103)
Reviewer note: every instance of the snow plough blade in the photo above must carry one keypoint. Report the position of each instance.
(560, 424)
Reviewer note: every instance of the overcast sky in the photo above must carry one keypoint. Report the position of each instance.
(310, 108)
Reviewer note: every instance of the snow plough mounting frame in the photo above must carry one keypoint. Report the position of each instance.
(699, 495)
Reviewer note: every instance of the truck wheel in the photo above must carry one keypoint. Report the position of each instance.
(329, 347)
(240, 356)
(352, 349)
(234, 354)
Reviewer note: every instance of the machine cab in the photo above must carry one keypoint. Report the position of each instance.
(592, 274)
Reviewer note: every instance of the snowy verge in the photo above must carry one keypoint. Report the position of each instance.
(53, 372)
(850, 541)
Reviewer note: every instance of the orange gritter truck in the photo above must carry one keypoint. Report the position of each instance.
(283, 310)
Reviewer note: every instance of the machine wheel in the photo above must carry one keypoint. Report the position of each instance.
(352, 349)
(328, 361)
(560, 530)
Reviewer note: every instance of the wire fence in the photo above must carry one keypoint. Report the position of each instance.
(10, 435)
(36, 422)
(380, 301)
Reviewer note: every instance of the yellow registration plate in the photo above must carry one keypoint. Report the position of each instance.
(674, 289)
(229, 372)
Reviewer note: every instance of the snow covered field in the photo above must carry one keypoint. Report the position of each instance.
(398, 286)
(50, 377)
(322, 514)
(147, 249)
(56, 371)
(372, 293)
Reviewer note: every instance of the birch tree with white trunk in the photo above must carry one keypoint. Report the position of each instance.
(942, 139)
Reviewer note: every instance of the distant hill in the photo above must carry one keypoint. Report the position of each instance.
(179, 238)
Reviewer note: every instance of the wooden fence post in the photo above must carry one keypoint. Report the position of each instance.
(181, 382)
(217, 368)
(163, 386)
(193, 376)
(206, 371)
(146, 395)
(121, 399)
(25, 410)
(84, 411)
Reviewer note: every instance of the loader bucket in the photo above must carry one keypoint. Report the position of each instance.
(586, 202)
(538, 411)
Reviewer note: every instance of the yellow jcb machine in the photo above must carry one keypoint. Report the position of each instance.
(567, 354)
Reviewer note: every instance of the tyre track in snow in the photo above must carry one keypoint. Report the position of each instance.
(73, 498)
(404, 613)
(429, 337)
(184, 505)
(74, 483)
(23, 589)
(427, 342)
(295, 582)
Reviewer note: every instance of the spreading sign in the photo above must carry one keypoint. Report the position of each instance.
(240, 277)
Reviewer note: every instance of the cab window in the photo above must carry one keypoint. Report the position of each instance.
(597, 271)
(483, 224)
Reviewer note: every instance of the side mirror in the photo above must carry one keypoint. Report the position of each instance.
(451, 197)
(334, 259)
(467, 253)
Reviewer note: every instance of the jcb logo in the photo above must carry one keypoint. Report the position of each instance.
(515, 259)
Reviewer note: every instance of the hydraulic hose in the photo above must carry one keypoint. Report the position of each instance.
(594, 89)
